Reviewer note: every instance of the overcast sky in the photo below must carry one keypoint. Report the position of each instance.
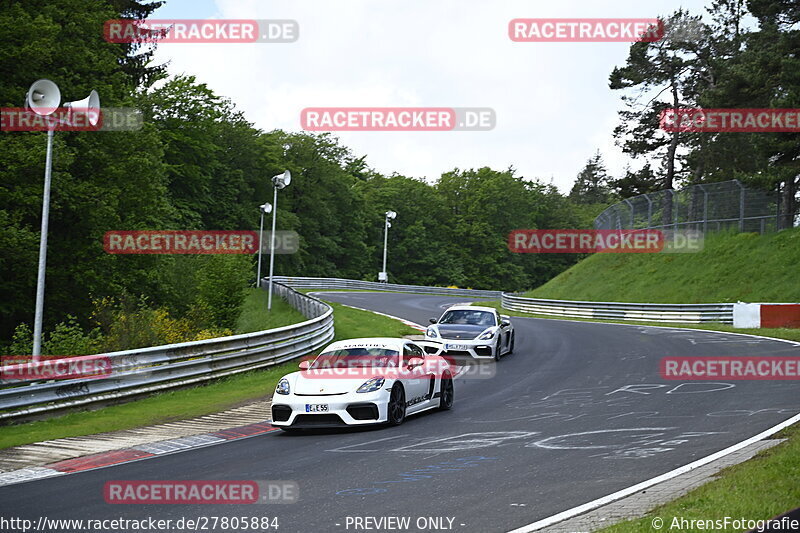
(552, 101)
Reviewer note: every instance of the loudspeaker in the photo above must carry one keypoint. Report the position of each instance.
(43, 97)
(90, 106)
(282, 180)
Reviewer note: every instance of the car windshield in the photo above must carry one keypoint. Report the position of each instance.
(357, 358)
(467, 317)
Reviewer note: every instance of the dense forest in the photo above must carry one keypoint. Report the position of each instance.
(199, 164)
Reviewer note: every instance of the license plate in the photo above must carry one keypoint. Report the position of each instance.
(316, 407)
(456, 347)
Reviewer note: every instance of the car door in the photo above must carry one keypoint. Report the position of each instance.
(416, 381)
(502, 333)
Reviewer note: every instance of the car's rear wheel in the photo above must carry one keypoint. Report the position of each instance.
(511, 345)
(397, 405)
(446, 392)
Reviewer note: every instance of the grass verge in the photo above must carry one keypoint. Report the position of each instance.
(255, 317)
(181, 404)
(731, 267)
(354, 323)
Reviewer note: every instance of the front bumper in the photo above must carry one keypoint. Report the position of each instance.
(460, 348)
(351, 409)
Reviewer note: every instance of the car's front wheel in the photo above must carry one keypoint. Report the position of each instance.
(498, 346)
(446, 392)
(397, 405)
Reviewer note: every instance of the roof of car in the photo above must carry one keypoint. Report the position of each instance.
(369, 342)
(470, 308)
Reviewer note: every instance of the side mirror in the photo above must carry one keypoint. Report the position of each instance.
(433, 320)
(505, 322)
(305, 365)
(414, 362)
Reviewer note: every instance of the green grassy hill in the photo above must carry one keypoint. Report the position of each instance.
(732, 267)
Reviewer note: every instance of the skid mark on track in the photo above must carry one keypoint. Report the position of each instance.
(348, 448)
(466, 441)
(625, 443)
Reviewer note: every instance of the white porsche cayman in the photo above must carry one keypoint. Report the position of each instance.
(363, 381)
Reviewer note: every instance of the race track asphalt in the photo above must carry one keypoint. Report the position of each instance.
(578, 411)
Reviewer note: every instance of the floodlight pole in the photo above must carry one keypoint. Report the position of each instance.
(263, 208)
(390, 215)
(385, 243)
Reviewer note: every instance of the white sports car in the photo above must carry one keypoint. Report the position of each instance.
(472, 331)
(363, 381)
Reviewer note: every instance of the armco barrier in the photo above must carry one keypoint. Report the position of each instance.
(687, 313)
(352, 284)
(162, 367)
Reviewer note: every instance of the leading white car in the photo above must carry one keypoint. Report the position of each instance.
(472, 331)
(363, 381)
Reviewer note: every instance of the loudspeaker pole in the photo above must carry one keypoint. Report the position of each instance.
(37, 321)
(272, 248)
(278, 182)
(43, 98)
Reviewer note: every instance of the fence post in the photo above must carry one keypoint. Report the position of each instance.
(705, 208)
(741, 205)
(674, 209)
(649, 211)
(630, 205)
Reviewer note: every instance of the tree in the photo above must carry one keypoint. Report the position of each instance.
(679, 65)
(95, 175)
(760, 71)
(642, 181)
(592, 183)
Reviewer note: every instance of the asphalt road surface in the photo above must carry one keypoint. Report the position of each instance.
(578, 411)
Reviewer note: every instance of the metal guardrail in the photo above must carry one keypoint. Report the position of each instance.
(687, 313)
(352, 284)
(162, 367)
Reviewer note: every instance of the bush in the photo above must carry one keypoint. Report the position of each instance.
(22, 341)
(214, 291)
(222, 287)
(68, 338)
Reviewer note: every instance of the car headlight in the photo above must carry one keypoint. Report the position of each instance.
(486, 335)
(431, 332)
(371, 385)
(283, 387)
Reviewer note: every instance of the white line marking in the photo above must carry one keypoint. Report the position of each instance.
(27, 474)
(414, 325)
